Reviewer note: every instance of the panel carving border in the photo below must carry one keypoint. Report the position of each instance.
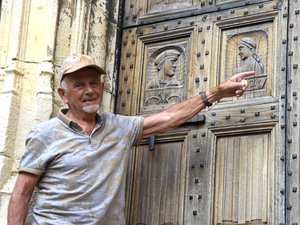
(249, 43)
(153, 188)
(163, 69)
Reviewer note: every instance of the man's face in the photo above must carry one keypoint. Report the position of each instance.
(244, 51)
(82, 91)
(170, 67)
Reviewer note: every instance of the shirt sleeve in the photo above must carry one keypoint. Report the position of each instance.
(133, 126)
(34, 159)
(138, 130)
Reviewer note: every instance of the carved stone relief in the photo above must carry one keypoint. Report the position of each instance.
(165, 75)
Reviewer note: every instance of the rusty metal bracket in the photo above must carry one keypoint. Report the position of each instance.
(151, 143)
(198, 119)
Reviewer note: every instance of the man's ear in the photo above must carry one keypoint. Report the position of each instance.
(102, 78)
(102, 82)
(62, 93)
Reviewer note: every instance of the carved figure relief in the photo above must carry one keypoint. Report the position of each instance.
(250, 58)
(163, 5)
(248, 51)
(165, 76)
(165, 63)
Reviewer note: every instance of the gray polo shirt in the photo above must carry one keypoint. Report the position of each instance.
(82, 176)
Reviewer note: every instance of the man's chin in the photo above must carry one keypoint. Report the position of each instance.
(91, 108)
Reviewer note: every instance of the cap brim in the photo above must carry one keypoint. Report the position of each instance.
(102, 71)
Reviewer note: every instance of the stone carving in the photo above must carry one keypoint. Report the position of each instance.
(165, 63)
(250, 58)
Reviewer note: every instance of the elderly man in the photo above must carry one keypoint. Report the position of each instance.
(78, 160)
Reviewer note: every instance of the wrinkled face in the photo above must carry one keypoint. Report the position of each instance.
(170, 67)
(82, 91)
(244, 52)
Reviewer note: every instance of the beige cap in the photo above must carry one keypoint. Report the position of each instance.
(76, 62)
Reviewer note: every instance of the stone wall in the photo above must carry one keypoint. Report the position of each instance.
(35, 37)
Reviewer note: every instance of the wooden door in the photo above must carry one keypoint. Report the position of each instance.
(227, 165)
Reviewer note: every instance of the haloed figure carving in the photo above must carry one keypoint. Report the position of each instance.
(250, 58)
(165, 63)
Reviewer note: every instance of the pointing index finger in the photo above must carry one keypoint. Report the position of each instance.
(246, 74)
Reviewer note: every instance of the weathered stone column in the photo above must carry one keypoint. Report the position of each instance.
(28, 30)
(10, 94)
(44, 93)
(35, 37)
(10, 100)
(89, 27)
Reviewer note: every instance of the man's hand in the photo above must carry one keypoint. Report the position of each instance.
(234, 86)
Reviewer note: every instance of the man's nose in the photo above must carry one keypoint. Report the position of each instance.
(89, 89)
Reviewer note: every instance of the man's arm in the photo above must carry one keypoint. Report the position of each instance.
(179, 113)
(18, 205)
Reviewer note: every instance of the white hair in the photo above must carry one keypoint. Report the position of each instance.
(63, 84)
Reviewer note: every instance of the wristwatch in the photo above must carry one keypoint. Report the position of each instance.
(204, 98)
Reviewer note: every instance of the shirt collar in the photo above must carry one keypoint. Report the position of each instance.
(62, 116)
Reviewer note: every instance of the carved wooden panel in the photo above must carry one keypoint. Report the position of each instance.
(249, 50)
(248, 175)
(159, 184)
(149, 11)
(249, 44)
(138, 12)
(244, 179)
(167, 5)
(165, 69)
